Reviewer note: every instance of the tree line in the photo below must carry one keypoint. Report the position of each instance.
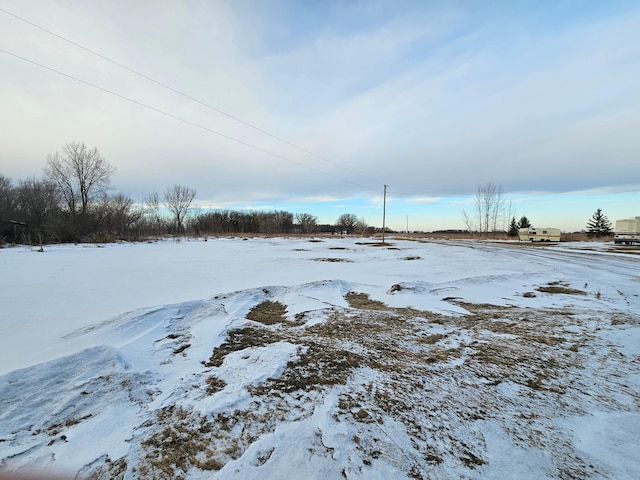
(492, 214)
(72, 203)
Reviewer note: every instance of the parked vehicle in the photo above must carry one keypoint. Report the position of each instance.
(627, 231)
(539, 234)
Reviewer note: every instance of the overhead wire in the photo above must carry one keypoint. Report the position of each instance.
(189, 122)
(189, 97)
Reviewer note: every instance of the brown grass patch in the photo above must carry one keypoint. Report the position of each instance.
(432, 379)
(316, 368)
(239, 339)
(430, 339)
(624, 319)
(627, 250)
(268, 313)
(333, 260)
(556, 289)
(181, 443)
(363, 302)
(181, 348)
(215, 385)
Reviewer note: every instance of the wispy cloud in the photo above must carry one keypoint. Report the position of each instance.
(432, 99)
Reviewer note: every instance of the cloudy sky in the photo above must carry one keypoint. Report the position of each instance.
(313, 106)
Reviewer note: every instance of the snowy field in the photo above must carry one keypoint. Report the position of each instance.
(326, 358)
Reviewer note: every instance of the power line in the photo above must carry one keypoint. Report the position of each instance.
(200, 102)
(242, 142)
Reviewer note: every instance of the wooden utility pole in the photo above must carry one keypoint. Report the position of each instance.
(384, 212)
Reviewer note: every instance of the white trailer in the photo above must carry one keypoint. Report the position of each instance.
(627, 231)
(539, 234)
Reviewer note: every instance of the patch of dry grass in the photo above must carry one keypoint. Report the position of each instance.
(430, 339)
(315, 368)
(333, 260)
(215, 385)
(181, 348)
(268, 313)
(181, 442)
(240, 339)
(560, 289)
(363, 302)
(111, 470)
(628, 249)
(431, 382)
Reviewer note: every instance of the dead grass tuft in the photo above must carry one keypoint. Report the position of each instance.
(215, 385)
(628, 249)
(268, 313)
(55, 428)
(239, 339)
(555, 289)
(111, 470)
(333, 260)
(430, 339)
(471, 460)
(180, 443)
(363, 302)
(181, 348)
(316, 368)
(624, 319)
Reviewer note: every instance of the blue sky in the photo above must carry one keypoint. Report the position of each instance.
(430, 98)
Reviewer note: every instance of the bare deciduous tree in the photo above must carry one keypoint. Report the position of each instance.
(308, 223)
(347, 222)
(152, 211)
(468, 221)
(37, 202)
(6, 197)
(118, 214)
(361, 226)
(488, 208)
(509, 212)
(81, 175)
(178, 200)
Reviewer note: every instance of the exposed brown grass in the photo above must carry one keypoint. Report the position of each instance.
(333, 260)
(182, 441)
(560, 289)
(268, 313)
(215, 385)
(316, 368)
(423, 379)
(627, 249)
(363, 302)
(240, 339)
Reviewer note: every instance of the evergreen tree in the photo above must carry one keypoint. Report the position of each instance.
(524, 222)
(599, 225)
(513, 228)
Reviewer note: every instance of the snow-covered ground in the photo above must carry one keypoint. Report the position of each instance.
(320, 358)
